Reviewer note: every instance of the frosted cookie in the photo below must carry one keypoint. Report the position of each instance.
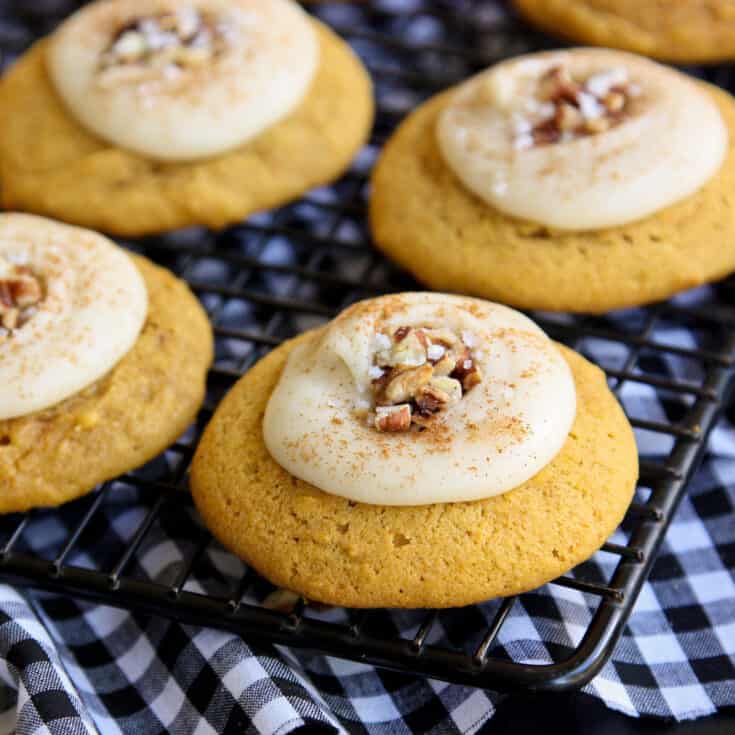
(103, 358)
(582, 180)
(684, 31)
(420, 450)
(139, 116)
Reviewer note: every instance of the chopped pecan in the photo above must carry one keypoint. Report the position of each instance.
(546, 133)
(597, 125)
(10, 318)
(445, 366)
(567, 117)
(449, 386)
(393, 418)
(437, 394)
(409, 352)
(467, 371)
(20, 292)
(614, 101)
(430, 400)
(419, 372)
(422, 338)
(401, 333)
(564, 108)
(26, 291)
(184, 38)
(557, 85)
(130, 47)
(473, 378)
(379, 383)
(406, 384)
(6, 295)
(442, 336)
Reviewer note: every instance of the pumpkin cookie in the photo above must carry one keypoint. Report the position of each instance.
(682, 31)
(422, 450)
(583, 180)
(89, 338)
(140, 117)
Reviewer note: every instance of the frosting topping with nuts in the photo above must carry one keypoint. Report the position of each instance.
(71, 305)
(421, 398)
(175, 41)
(582, 139)
(178, 80)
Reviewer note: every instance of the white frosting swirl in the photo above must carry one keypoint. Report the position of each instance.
(94, 306)
(500, 434)
(670, 141)
(172, 110)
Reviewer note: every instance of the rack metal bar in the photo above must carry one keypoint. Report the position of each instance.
(114, 576)
(424, 629)
(79, 529)
(480, 655)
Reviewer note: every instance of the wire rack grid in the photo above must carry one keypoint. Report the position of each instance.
(138, 543)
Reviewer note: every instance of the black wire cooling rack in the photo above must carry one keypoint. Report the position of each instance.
(138, 543)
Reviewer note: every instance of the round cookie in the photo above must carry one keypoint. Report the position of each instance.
(680, 31)
(340, 552)
(51, 165)
(425, 219)
(120, 422)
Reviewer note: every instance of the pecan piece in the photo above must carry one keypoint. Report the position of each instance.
(409, 352)
(406, 384)
(567, 117)
(6, 294)
(557, 86)
(472, 379)
(9, 318)
(401, 333)
(614, 101)
(437, 394)
(393, 419)
(597, 125)
(467, 371)
(449, 386)
(442, 336)
(546, 133)
(26, 291)
(20, 292)
(445, 366)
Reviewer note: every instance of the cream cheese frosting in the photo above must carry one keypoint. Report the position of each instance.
(494, 434)
(183, 79)
(582, 139)
(84, 312)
